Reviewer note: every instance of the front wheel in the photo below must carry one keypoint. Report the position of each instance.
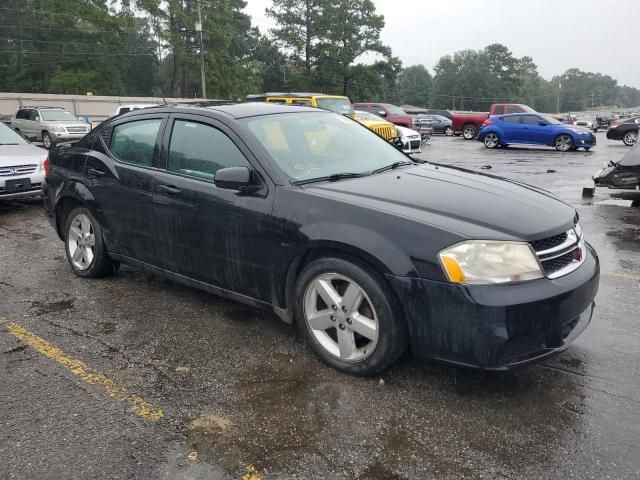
(491, 140)
(563, 143)
(469, 132)
(347, 315)
(630, 138)
(47, 140)
(85, 246)
(449, 131)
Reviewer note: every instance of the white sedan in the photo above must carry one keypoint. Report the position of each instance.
(21, 165)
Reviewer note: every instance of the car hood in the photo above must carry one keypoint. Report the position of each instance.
(468, 203)
(11, 155)
(406, 132)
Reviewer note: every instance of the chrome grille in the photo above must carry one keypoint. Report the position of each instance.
(561, 254)
(17, 170)
(76, 129)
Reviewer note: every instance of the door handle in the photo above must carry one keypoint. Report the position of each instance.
(170, 189)
(95, 172)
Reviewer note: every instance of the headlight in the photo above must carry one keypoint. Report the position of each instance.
(58, 129)
(483, 262)
(579, 131)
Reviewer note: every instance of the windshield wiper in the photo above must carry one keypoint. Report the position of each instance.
(331, 178)
(392, 166)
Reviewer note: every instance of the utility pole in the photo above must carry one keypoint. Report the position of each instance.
(558, 100)
(199, 29)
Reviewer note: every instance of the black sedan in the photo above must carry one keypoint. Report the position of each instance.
(625, 130)
(441, 124)
(309, 214)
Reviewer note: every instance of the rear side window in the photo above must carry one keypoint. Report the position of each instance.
(22, 114)
(531, 120)
(499, 110)
(135, 142)
(199, 150)
(511, 119)
(514, 109)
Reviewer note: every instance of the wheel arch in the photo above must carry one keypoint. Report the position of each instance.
(74, 194)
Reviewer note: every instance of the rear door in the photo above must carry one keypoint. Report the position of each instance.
(121, 170)
(511, 128)
(217, 236)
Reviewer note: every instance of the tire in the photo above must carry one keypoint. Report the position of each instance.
(83, 238)
(491, 140)
(470, 131)
(586, 149)
(449, 132)
(630, 138)
(47, 140)
(363, 347)
(563, 142)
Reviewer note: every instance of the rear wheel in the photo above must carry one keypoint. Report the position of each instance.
(563, 143)
(491, 140)
(448, 131)
(85, 246)
(469, 132)
(346, 314)
(630, 138)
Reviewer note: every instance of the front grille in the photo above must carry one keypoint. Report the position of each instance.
(76, 129)
(17, 170)
(386, 132)
(558, 263)
(547, 243)
(560, 254)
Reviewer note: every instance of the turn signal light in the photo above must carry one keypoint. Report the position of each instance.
(46, 166)
(487, 122)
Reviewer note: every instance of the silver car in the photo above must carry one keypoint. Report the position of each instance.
(49, 124)
(21, 165)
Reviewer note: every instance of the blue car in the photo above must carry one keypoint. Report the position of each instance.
(534, 129)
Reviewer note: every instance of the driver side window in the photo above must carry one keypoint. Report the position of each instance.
(199, 151)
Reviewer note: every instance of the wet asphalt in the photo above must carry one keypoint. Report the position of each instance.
(243, 398)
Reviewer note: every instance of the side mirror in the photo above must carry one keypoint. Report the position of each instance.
(235, 178)
(37, 119)
(382, 113)
(543, 124)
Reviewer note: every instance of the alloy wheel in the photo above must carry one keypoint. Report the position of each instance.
(564, 143)
(341, 317)
(46, 140)
(491, 140)
(81, 242)
(630, 138)
(448, 131)
(469, 132)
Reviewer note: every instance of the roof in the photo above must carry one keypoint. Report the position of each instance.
(291, 95)
(242, 110)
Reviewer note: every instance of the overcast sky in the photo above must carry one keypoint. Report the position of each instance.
(592, 35)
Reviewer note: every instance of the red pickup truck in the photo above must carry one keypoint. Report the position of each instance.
(468, 124)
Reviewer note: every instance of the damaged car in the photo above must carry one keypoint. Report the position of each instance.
(311, 215)
(621, 175)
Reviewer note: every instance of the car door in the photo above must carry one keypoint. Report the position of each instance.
(26, 125)
(121, 170)
(533, 132)
(217, 236)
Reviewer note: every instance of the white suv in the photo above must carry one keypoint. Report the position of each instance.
(51, 125)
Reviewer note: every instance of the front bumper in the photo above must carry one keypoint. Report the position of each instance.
(498, 327)
(33, 187)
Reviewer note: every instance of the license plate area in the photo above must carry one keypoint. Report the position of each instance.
(18, 185)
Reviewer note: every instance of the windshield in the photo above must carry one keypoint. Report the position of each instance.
(549, 119)
(57, 116)
(315, 145)
(395, 110)
(9, 137)
(337, 105)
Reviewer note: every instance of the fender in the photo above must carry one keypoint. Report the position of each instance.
(78, 191)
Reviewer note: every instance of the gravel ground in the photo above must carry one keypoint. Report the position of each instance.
(242, 397)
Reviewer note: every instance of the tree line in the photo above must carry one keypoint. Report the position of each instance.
(152, 47)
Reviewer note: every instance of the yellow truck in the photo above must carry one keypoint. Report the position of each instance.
(335, 103)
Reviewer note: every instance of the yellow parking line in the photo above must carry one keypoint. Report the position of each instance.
(622, 275)
(138, 405)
